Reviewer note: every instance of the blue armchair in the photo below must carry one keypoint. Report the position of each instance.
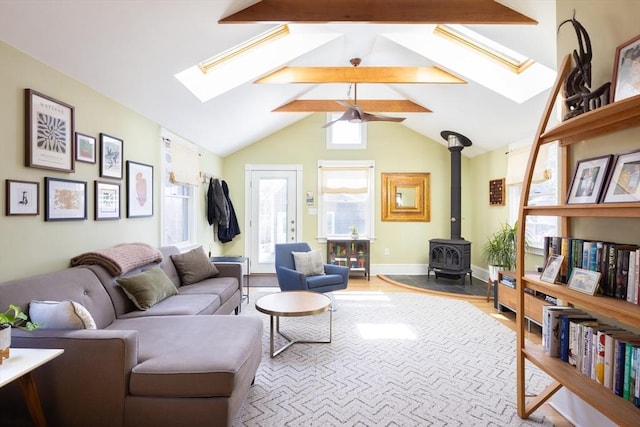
(336, 277)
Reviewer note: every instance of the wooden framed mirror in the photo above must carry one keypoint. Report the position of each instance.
(405, 197)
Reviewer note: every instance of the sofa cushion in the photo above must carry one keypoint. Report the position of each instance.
(309, 263)
(194, 266)
(224, 287)
(192, 356)
(147, 288)
(60, 315)
(179, 305)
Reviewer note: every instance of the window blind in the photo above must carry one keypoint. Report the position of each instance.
(185, 165)
(517, 164)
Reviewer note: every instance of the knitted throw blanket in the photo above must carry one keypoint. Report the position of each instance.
(120, 259)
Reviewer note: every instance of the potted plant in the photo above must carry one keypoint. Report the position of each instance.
(354, 232)
(13, 317)
(500, 250)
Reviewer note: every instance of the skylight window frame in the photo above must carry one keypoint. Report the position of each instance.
(253, 43)
(500, 57)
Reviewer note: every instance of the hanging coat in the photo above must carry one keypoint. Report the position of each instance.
(221, 204)
(211, 205)
(226, 234)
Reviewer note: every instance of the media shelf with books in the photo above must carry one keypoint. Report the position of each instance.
(508, 296)
(352, 253)
(608, 120)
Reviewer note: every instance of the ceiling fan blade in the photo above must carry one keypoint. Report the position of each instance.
(367, 117)
(353, 113)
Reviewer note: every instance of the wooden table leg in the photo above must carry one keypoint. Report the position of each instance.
(30, 394)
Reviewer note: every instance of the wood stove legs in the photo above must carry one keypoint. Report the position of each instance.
(462, 274)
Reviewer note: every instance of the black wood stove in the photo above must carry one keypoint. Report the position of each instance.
(451, 258)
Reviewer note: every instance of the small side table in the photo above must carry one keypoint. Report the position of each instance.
(242, 260)
(19, 367)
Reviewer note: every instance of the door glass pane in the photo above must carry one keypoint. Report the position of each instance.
(272, 218)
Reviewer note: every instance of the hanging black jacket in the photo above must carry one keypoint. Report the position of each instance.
(226, 234)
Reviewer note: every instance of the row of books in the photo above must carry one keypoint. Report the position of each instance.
(618, 264)
(607, 354)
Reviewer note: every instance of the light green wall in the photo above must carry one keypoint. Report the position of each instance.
(393, 148)
(29, 244)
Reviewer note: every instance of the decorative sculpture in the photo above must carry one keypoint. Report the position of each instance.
(578, 96)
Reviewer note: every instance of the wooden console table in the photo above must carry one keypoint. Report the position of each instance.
(19, 366)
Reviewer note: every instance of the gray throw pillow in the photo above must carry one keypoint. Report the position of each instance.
(309, 263)
(194, 266)
(147, 288)
(60, 315)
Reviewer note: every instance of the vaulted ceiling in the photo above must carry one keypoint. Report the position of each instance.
(134, 51)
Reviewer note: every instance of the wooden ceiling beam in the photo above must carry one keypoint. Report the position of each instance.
(398, 75)
(370, 105)
(379, 11)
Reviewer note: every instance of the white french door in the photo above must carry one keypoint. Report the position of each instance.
(273, 212)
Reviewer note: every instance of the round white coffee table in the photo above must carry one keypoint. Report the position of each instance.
(292, 304)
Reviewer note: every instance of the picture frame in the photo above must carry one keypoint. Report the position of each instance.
(589, 179)
(139, 190)
(22, 198)
(626, 83)
(552, 268)
(624, 180)
(406, 197)
(85, 148)
(107, 200)
(111, 156)
(65, 199)
(49, 133)
(585, 281)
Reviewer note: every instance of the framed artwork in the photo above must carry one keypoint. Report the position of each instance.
(85, 148)
(406, 197)
(589, 179)
(624, 180)
(49, 133)
(139, 190)
(107, 200)
(22, 198)
(552, 268)
(585, 281)
(64, 199)
(111, 155)
(496, 192)
(626, 70)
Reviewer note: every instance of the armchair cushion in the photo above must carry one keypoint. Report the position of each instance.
(148, 288)
(309, 263)
(194, 266)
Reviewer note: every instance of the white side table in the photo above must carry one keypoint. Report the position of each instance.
(19, 367)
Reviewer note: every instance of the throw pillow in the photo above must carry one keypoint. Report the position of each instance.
(60, 315)
(147, 288)
(194, 266)
(309, 263)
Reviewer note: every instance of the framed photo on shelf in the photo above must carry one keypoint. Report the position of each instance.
(624, 180)
(111, 155)
(626, 70)
(64, 199)
(139, 190)
(49, 133)
(85, 148)
(585, 281)
(552, 268)
(589, 179)
(22, 198)
(107, 201)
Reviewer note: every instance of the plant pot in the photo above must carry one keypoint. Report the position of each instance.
(354, 236)
(493, 272)
(5, 342)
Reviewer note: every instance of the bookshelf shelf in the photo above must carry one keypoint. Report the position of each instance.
(611, 118)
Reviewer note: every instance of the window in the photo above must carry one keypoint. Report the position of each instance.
(345, 135)
(345, 198)
(179, 203)
(544, 191)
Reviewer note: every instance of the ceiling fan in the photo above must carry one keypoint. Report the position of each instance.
(355, 114)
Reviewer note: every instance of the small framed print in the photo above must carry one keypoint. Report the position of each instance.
(49, 133)
(139, 190)
(496, 192)
(626, 70)
(111, 155)
(85, 148)
(585, 281)
(107, 201)
(624, 180)
(64, 199)
(22, 198)
(552, 268)
(588, 180)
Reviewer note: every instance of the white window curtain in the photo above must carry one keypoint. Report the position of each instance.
(344, 181)
(517, 164)
(184, 164)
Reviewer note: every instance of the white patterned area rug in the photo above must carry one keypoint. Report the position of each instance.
(397, 359)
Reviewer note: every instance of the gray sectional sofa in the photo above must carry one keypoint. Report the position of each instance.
(184, 361)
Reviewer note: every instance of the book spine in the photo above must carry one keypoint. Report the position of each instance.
(603, 289)
(600, 351)
(618, 367)
(631, 277)
(622, 271)
(627, 370)
(564, 250)
(609, 365)
(593, 256)
(586, 248)
(611, 270)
